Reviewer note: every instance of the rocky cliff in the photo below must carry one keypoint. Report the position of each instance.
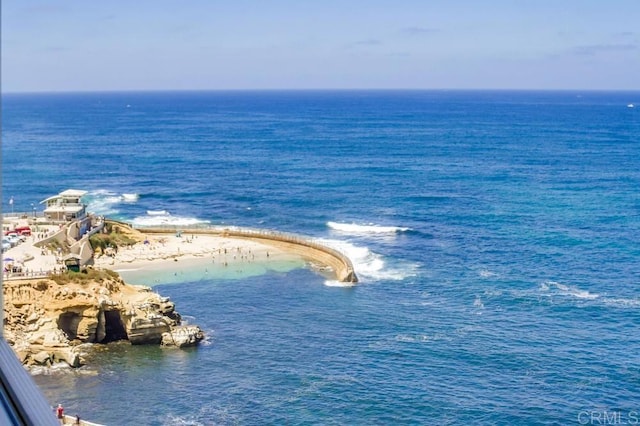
(47, 320)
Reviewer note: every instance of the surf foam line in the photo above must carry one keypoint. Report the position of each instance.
(369, 266)
(368, 229)
(554, 288)
(567, 290)
(130, 198)
(104, 202)
(164, 218)
(335, 283)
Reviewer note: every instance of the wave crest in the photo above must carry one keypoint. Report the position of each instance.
(130, 198)
(370, 266)
(164, 218)
(334, 283)
(104, 202)
(352, 228)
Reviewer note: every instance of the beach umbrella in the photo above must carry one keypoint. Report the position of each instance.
(7, 259)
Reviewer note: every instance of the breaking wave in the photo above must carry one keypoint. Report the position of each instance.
(334, 283)
(352, 228)
(104, 202)
(164, 218)
(370, 266)
(130, 198)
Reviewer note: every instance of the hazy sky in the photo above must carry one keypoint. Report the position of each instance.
(240, 44)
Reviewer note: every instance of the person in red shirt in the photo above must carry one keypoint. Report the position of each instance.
(60, 412)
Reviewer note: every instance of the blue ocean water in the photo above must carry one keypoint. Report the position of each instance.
(496, 236)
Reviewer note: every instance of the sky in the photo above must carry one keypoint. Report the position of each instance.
(79, 45)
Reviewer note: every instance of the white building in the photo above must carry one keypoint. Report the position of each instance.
(65, 206)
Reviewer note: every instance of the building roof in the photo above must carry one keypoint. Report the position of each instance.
(69, 193)
(73, 193)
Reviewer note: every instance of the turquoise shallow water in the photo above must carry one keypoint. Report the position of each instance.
(496, 235)
(204, 269)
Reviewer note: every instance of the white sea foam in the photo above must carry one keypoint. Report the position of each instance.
(355, 229)
(370, 266)
(103, 202)
(55, 368)
(622, 302)
(552, 287)
(130, 198)
(334, 283)
(100, 192)
(485, 273)
(478, 302)
(182, 420)
(567, 290)
(415, 338)
(163, 218)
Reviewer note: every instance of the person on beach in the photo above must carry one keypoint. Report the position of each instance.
(60, 412)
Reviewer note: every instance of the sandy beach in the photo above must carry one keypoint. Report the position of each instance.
(156, 252)
(163, 250)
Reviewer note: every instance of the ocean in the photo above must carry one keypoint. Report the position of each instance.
(496, 235)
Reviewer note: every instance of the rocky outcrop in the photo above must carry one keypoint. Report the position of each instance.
(50, 320)
(182, 336)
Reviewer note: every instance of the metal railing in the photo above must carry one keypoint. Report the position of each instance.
(29, 275)
(21, 401)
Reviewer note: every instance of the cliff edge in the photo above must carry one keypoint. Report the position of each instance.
(47, 320)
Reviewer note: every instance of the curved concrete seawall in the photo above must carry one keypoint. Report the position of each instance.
(307, 249)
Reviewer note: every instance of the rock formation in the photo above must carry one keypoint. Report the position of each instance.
(48, 320)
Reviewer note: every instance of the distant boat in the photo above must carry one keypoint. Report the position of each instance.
(630, 106)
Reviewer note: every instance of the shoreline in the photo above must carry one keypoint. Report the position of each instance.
(167, 247)
(228, 246)
(196, 256)
(159, 248)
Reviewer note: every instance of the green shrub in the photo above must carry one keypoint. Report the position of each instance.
(85, 276)
(114, 240)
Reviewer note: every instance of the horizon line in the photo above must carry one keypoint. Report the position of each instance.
(381, 89)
